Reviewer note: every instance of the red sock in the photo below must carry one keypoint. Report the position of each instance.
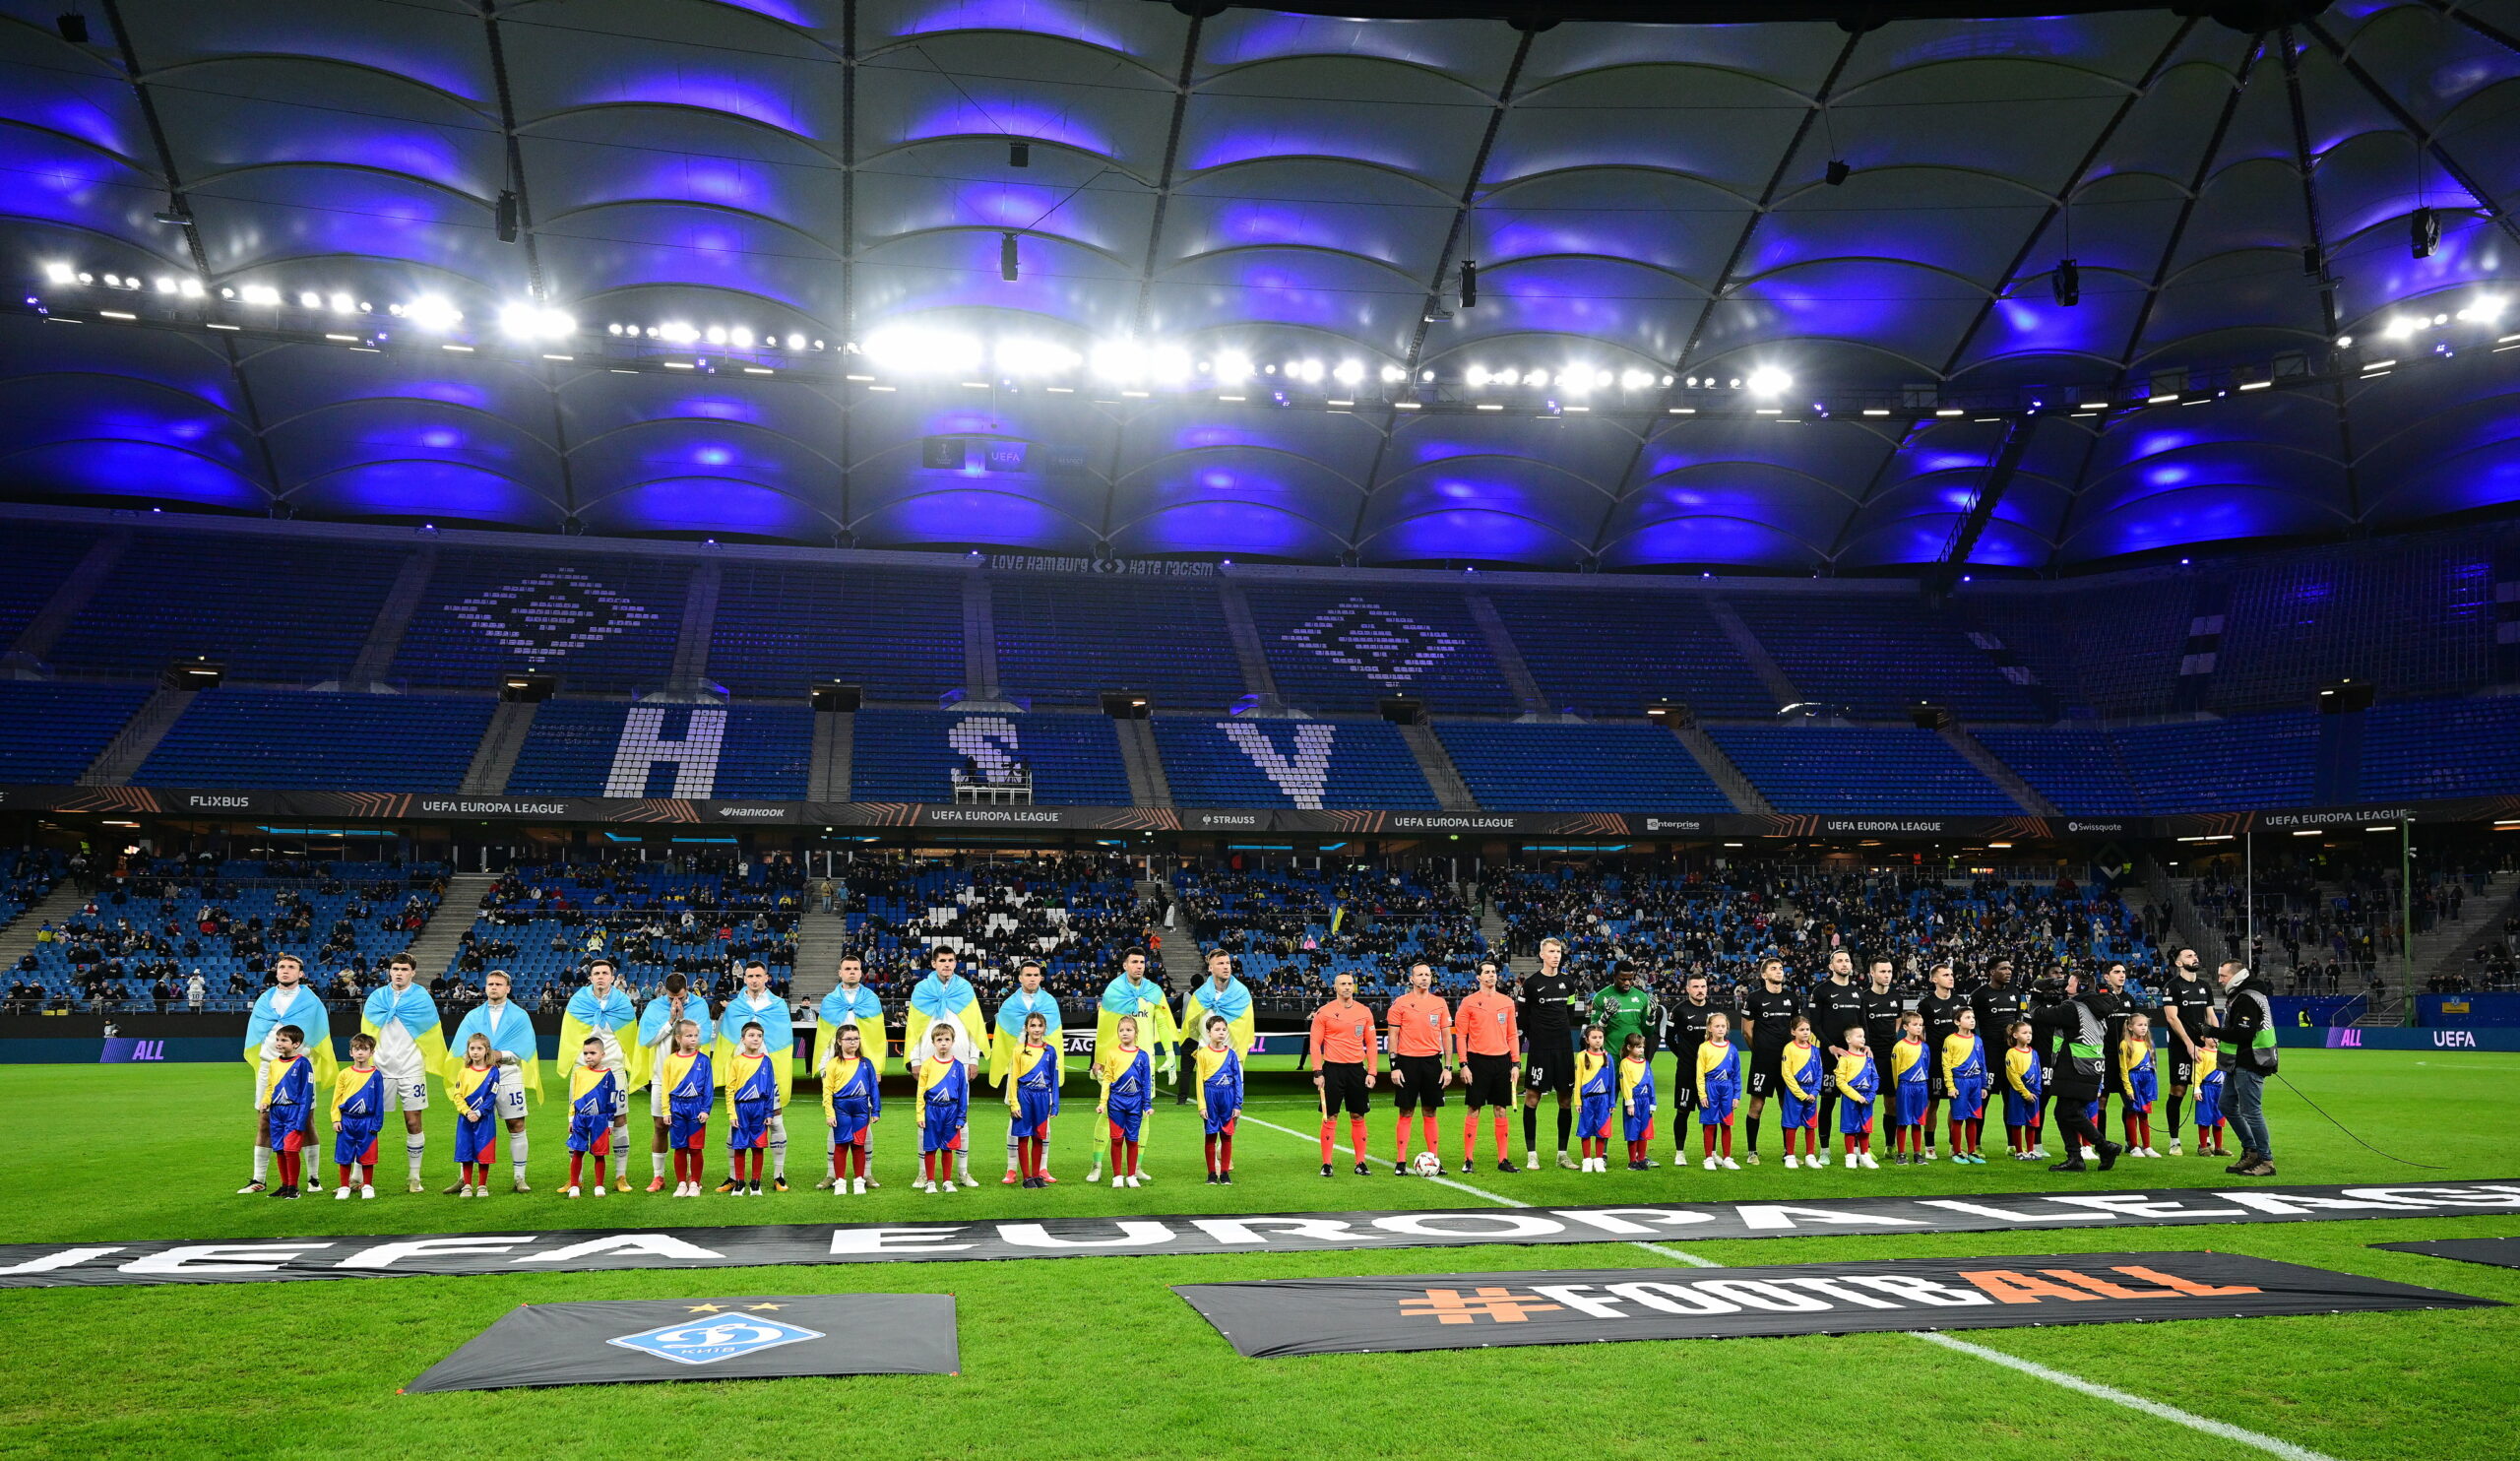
(1426, 1130)
(1329, 1139)
(367, 1175)
(1400, 1139)
(1356, 1136)
(1726, 1129)
(1225, 1151)
(1116, 1169)
(1212, 1153)
(1500, 1137)
(1470, 1136)
(1133, 1159)
(1866, 1139)
(2034, 1133)
(343, 1167)
(1706, 1134)
(577, 1167)
(1977, 1134)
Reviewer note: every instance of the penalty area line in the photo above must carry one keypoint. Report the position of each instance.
(2074, 1382)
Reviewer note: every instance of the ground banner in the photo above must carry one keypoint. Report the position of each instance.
(2499, 1253)
(647, 1341)
(1271, 1319)
(944, 1240)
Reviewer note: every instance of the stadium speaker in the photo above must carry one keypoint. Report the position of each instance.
(2344, 695)
(1929, 717)
(1670, 714)
(1469, 284)
(2423, 233)
(1009, 265)
(1127, 705)
(837, 697)
(504, 217)
(1019, 154)
(191, 674)
(72, 28)
(1837, 172)
(527, 685)
(1401, 709)
(2066, 283)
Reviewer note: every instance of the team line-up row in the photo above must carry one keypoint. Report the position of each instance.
(1498, 1049)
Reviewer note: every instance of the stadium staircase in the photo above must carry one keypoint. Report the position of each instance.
(2187, 927)
(1718, 768)
(1991, 766)
(822, 937)
(58, 907)
(1248, 649)
(434, 950)
(2445, 949)
(1508, 656)
(833, 755)
(1452, 794)
(34, 643)
(122, 756)
(1771, 674)
(393, 616)
(1182, 966)
(1142, 763)
(495, 759)
(1492, 927)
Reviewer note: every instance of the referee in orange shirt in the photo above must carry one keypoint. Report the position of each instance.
(1489, 1035)
(1344, 1059)
(1422, 1059)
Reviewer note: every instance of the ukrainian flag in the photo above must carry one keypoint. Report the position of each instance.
(610, 1016)
(778, 1038)
(416, 1012)
(1008, 1041)
(859, 1007)
(932, 1002)
(1240, 1022)
(304, 1010)
(510, 1030)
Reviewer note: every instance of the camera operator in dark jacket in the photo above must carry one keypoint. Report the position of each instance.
(2079, 1035)
(2249, 1037)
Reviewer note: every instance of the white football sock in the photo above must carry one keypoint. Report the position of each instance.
(656, 1164)
(620, 1151)
(516, 1154)
(779, 1147)
(415, 1145)
(262, 1164)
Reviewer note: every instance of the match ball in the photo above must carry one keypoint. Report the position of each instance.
(1427, 1164)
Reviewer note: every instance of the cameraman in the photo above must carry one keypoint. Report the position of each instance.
(2249, 1037)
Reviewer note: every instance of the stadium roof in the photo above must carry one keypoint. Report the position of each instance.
(376, 259)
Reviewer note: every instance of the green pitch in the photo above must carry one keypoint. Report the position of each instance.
(1093, 1358)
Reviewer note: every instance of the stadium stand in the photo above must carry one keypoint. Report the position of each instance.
(1293, 930)
(697, 915)
(602, 624)
(1606, 653)
(760, 751)
(286, 738)
(35, 558)
(1308, 763)
(1061, 640)
(278, 612)
(2111, 652)
(1578, 768)
(908, 755)
(1336, 648)
(1077, 912)
(1860, 769)
(2076, 767)
(2412, 616)
(50, 732)
(26, 876)
(2442, 748)
(2231, 765)
(781, 626)
(1834, 650)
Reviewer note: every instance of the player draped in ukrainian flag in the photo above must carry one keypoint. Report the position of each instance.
(1718, 1088)
(287, 1100)
(359, 1114)
(851, 1006)
(1127, 1076)
(1802, 1074)
(755, 1005)
(690, 1089)
(1964, 1078)
(1595, 1103)
(410, 1047)
(1033, 1094)
(852, 1103)
(510, 1031)
(944, 1109)
(475, 1087)
(1219, 993)
(944, 1000)
(602, 1012)
(668, 1012)
(286, 1002)
(1007, 1049)
(1217, 1066)
(1636, 1101)
(596, 1099)
(1133, 995)
(752, 1106)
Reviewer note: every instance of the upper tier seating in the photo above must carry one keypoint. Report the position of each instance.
(908, 755)
(1867, 768)
(290, 738)
(34, 560)
(761, 751)
(600, 623)
(1608, 654)
(1335, 649)
(2442, 748)
(1578, 768)
(2233, 765)
(1310, 763)
(279, 611)
(50, 732)
(1878, 654)
(781, 626)
(2078, 769)
(1063, 639)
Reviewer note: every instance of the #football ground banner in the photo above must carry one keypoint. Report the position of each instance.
(945, 1240)
(1271, 1319)
(645, 1341)
(2499, 1253)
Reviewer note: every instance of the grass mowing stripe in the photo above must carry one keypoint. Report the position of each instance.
(2074, 1382)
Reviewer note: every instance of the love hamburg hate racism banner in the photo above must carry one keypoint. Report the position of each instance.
(1271, 1319)
(584, 1250)
(647, 1341)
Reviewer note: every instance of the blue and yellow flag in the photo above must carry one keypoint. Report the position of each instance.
(1234, 1002)
(303, 1009)
(391, 1015)
(653, 1037)
(934, 1001)
(1006, 1041)
(612, 1019)
(859, 1007)
(507, 1028)
(778, 1036)
(1157, 1034)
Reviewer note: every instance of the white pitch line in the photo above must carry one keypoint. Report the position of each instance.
(2206, 1424)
